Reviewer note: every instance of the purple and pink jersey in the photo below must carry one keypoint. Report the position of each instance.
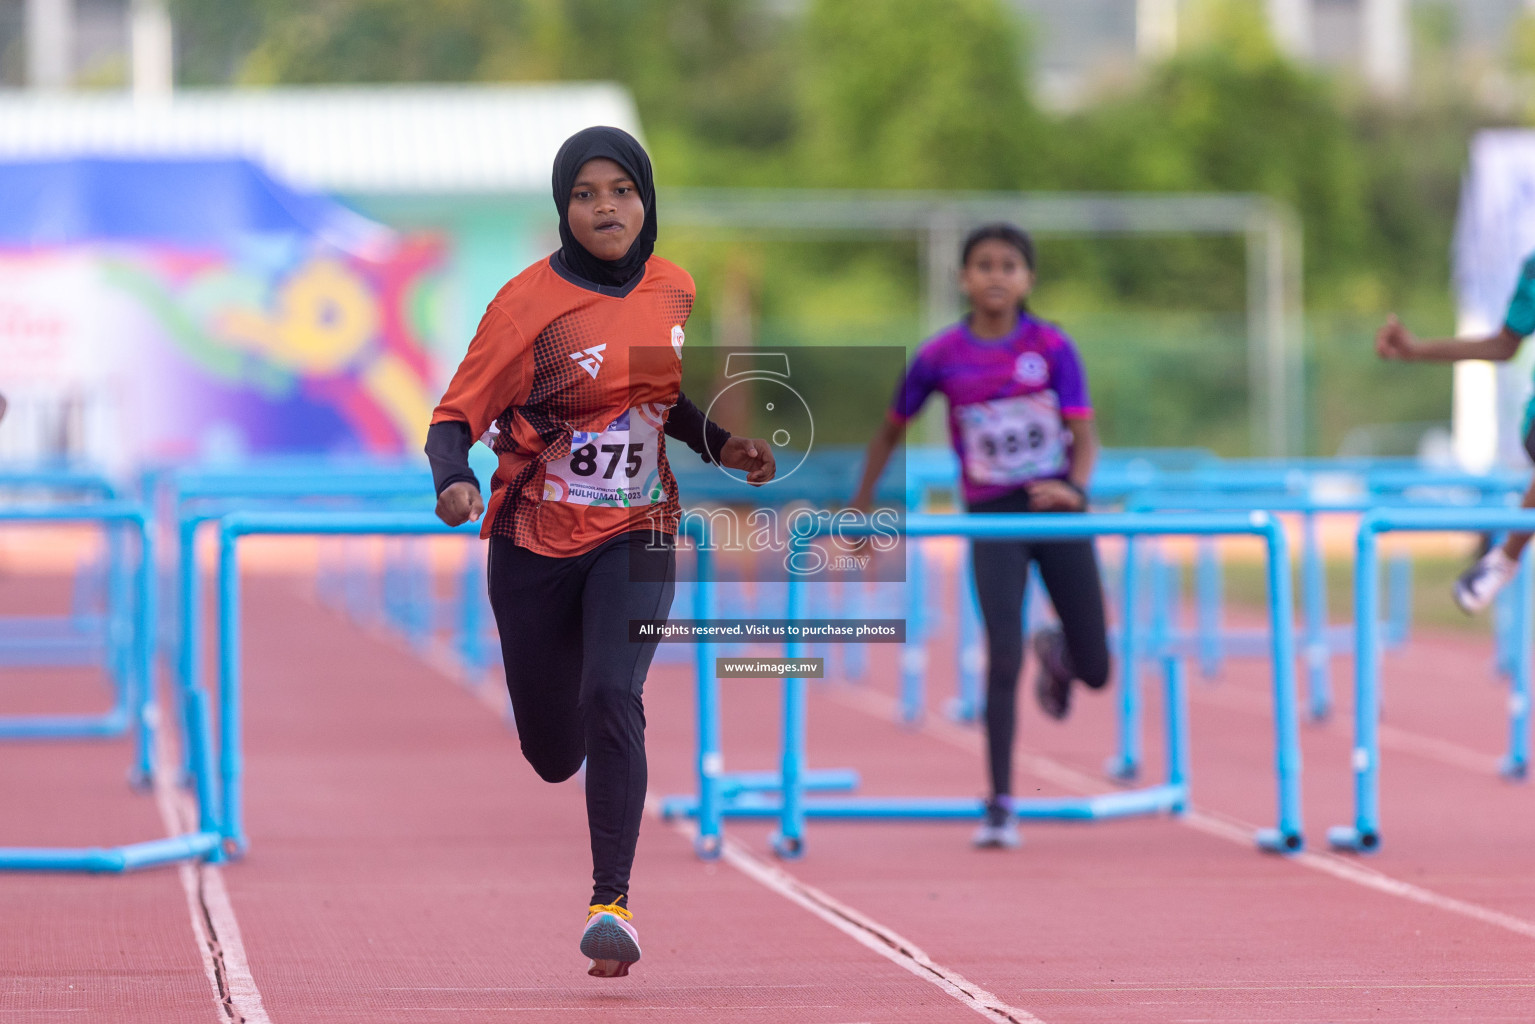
(1007, 397)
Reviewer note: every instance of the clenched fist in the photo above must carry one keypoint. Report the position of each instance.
(1394, 341)
(460, 503)
(752, 456)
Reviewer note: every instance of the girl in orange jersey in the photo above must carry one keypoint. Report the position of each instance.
(573, 378)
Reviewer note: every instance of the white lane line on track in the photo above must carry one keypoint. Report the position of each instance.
(1391, 737)
(1221, 826)
(1230, 829)
(860, 928)
(1443, 751)
(213, 916)
(1349, 871)
(857, 926)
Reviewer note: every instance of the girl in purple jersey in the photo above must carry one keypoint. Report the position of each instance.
(1022, 425)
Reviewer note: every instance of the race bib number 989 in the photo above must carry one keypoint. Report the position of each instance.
(618, 465)
(1013, 440)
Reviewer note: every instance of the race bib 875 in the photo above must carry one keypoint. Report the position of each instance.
(1013, 440)
(618, 465)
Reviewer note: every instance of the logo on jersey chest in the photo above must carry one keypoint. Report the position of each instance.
(1031, 370)
(589, 359)
(677, 338)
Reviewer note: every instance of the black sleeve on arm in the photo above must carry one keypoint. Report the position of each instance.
(688, 424)
(447, 449)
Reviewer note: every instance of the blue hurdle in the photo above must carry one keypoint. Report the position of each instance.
(199, 496)
(130, 690)
(133, 709)
(1196, 480)
(1364, 835)
(87, 635)
(1319, 640)
(232, 527)
(711, 804)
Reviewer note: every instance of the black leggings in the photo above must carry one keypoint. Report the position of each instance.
(1070, 573)
(576, 681)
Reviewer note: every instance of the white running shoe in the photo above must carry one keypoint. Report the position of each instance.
(999, 831)
(609, 940)
(997, 837)
(1479, 584)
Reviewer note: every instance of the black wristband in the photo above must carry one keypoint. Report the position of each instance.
(447, 449)
(1081, 493)
(715, 437)
(688, 424)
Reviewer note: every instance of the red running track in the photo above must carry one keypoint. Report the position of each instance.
(406, 865)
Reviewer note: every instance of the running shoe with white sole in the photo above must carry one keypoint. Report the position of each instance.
(1479, 584)
(999, 831)
(610, 940)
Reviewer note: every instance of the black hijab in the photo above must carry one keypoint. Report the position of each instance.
(622, 148)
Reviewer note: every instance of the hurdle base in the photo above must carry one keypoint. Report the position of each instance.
(674, 807)
(115, 859)
(733, 785)
(46, 641)
(965, 712)
(139, 780)
(1273, 840)
(64, 727)
(1122, 769)
(787, 847)
(1514, 769)
(1153, 800)
(816, 780)
(52, 654)
(1346, 839)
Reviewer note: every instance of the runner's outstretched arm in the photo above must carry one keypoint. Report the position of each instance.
(1395, 341)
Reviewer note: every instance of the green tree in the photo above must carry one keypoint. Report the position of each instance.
(912, 94)
(712, 78)
(903, 94)
(1230, 115)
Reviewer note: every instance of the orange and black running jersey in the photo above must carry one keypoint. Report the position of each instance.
(576, 382)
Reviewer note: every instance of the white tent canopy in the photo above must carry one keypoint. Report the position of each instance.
(436, 139)
(1494, 234)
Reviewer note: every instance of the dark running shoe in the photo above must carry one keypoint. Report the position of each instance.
(1052, 686)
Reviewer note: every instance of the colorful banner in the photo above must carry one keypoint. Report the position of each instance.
(282, 345)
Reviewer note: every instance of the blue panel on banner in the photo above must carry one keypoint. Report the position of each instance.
(195, 203)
